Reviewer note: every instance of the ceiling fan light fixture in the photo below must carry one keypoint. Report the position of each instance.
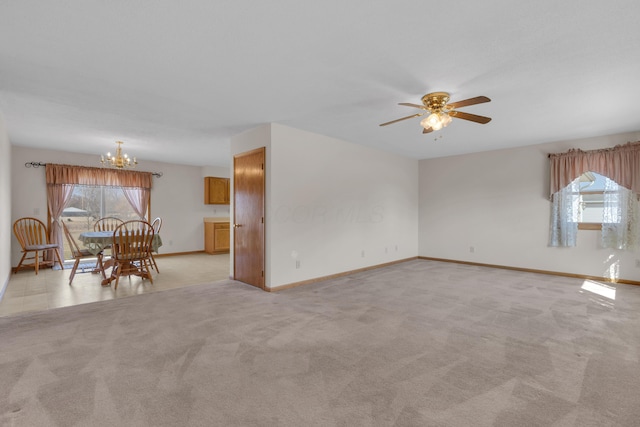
(441, 112)
(446, 119)
(425, 123)
(434, 121)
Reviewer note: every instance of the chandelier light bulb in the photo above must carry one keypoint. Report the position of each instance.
(425, 123)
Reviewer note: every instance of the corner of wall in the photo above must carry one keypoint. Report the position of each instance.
(5, 205)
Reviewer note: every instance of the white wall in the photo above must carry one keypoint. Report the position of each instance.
(329, 201)
(498, 202)
(5, 206)
(177, 197)
(333, 201)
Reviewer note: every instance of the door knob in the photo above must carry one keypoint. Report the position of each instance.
(237, 225)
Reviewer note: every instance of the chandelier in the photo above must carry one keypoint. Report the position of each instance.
(119, 160)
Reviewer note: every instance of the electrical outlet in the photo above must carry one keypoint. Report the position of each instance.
(297, 263)
(386, 250)
(362, 254)
(638, 263)
(472, 249)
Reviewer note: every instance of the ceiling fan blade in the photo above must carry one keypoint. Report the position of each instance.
(399, 120)
(471, 117)
(408, 104)
(427, 130)
(466, 102)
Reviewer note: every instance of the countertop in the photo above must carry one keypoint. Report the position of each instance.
(216, 219)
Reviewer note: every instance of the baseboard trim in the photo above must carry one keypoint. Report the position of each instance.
(530, 270)
(178, 254)
(335, 276)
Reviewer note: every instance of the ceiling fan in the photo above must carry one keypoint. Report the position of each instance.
(441, 112)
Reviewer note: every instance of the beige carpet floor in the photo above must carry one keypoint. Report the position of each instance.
(420, 343)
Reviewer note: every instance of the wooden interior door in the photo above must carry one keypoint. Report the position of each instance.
(248, 217)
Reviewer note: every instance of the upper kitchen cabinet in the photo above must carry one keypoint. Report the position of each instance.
(216, 191)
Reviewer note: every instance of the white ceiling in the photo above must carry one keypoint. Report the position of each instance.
(175, 80)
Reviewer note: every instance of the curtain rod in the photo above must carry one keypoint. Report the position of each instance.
(38, 164)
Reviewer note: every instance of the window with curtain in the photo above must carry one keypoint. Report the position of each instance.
(572, 205)
(62, 179)
(88, 203)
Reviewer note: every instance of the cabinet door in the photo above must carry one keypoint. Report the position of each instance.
(209, 238)
(216, 191)
(221, 237)
(216, 237)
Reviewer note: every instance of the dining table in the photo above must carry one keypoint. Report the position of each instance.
(98, 241)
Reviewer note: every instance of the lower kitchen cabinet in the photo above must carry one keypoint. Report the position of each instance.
(216, 237)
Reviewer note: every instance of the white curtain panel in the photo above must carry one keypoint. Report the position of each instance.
(620, 217)
(565, 206)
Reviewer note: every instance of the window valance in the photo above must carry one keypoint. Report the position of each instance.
(620, 163)
(84, 175)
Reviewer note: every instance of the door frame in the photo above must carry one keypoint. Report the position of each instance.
(262, 150)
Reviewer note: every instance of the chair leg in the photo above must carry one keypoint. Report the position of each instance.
(57, 253)
(73, 270)
(37, 261)
(15, 270)
(101, 264)
(146, 271)
(155, 265)
(116, 270)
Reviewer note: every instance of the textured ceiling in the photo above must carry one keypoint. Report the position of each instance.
(175, 80)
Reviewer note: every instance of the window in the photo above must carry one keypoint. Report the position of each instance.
(596, 199)
(132, 186)
(595, 202)
(576, 202)
(90, 203)
(591, 201)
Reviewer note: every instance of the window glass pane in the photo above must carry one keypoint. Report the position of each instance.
(592, 181)
(592, 188)
(591, 207)
(88, 204)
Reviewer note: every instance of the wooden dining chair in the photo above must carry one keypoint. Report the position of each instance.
(131, 250)
(108, 223)
(157, 225)
(33, 237)
(80, 254)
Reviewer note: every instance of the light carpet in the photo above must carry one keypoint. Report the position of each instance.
(421, 343)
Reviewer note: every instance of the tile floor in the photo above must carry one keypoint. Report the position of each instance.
(27, 291)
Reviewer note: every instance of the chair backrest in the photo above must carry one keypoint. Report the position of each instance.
(73, 245)
(157, 225)
(109, 223)
(30, 232)
(132, 240)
